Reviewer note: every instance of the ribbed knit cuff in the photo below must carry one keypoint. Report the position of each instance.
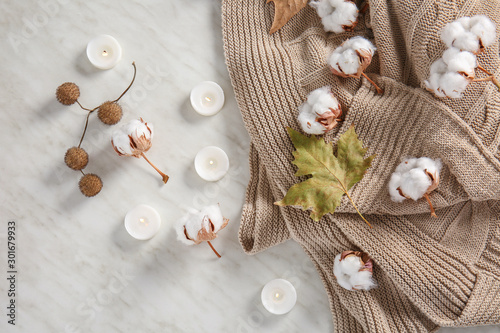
(262, 225)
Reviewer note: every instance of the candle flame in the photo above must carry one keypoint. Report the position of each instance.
(211, 162)
(208, 99)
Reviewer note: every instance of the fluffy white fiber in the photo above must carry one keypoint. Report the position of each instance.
(318, 103)
(348, 275)
(192, 223)
(469, 33)
(345, 58)
(450, 75)
(136, 128)
(410, 177)
(336, 14)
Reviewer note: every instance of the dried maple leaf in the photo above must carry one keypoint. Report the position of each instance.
(284, 10)
(332, 177)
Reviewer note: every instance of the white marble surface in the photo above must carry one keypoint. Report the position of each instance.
(78, 269)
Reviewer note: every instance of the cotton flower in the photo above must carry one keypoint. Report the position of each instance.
(201, 226)
(472, 34)
(450, 75)
(320, 113)
(353, 270)
(134, 139)
(336, 15)
(352, 57)
(415, 178)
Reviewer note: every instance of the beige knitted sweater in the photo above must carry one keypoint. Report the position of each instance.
(431, 272)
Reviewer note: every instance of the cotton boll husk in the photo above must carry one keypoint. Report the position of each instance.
(137, 128)
(307, 120)
(215, 215)
(483, 28)
(460, 61)
(453, 84)
(362, 281)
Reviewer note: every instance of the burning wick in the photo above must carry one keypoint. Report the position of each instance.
(143, 221)
(105, 53)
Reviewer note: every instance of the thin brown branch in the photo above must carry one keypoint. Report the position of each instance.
(130, 85)
(215, 251)
(379, 90)
(164, 176)
(85, 129)
(433, 212)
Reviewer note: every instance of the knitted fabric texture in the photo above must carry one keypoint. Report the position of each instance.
(431, 272)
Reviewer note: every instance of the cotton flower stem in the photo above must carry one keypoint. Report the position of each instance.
(491, 77)
(433, 212)
(365, 7)
(130, 85)
(379, 90)
(85, 128)
(164, 176)
(215, 251)
(352, 202)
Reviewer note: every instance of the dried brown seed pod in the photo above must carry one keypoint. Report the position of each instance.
(67, 93)
(110, 113)
(90, 184)
(76, 158)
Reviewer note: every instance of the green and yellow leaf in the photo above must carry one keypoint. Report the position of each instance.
(331, 177)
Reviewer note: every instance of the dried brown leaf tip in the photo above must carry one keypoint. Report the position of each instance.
(354, 270)
(284, 10)
(352, 58)
(201, 226)
(415, 178)
(320, 113)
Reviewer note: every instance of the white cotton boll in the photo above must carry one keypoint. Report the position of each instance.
(214, 213)
(336, 14)
(349, 62)
(483, 28)
(460, 61)
(318, 94)
(334, 58)
(121, 141)
(451, 32)
(360, 43)
(439, 67)
(348, 275)
(363, 281)
(411, 178)
(394, 184)
(414, 183)
(136, 128)
(453, 84)
(189, 224)
(307, 120)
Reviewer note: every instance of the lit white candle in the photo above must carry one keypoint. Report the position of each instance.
(207, 98)
(104, 52)
(279, 296)
(211, 163)
(142, 222)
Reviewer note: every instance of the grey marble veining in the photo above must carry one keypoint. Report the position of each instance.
(78, 269)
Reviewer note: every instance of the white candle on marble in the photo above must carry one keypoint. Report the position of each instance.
(207, 98)
(279, 296)
(211, 163)
(142, 222)
(104, 52)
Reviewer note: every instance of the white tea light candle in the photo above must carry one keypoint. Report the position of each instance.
(207, 98)
(142, 222)
(211, 163)
(279, 296)
(104, 52)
